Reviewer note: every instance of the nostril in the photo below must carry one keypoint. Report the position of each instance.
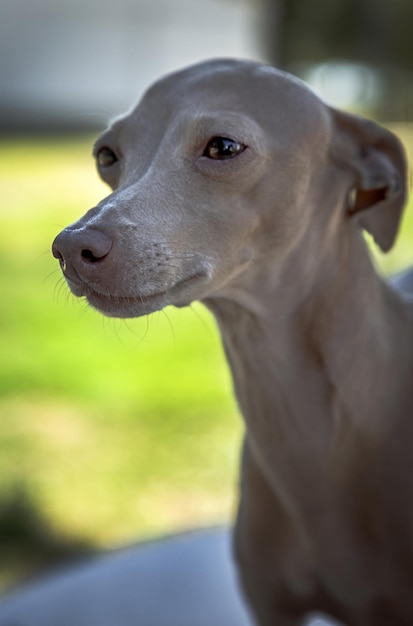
(89, 257)
(56, 251)
(79, 247)
(94, 245)
(57, 254)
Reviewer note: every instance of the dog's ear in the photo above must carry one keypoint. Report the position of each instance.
(377, 161)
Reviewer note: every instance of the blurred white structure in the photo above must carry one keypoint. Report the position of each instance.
(81, 62)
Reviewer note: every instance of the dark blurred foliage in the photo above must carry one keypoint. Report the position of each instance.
(29, 546)
(357, 30)
(300, 33)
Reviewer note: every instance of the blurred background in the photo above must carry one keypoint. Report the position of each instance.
(110, 431)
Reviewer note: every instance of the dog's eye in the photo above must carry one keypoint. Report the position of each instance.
(106, 157)
(223, 148)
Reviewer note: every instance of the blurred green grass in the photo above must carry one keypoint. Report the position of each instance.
(118, 430)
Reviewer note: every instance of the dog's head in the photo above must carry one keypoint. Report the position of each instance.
(220, 166)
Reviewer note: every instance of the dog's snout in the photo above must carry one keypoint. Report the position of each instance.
(78, 249)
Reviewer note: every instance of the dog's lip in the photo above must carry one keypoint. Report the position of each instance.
(135, 305)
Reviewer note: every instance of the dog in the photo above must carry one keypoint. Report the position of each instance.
(235, 185)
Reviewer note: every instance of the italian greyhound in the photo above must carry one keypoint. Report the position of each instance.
(234, 184)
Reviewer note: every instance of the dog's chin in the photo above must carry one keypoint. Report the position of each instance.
(110, 305)
(124, 307)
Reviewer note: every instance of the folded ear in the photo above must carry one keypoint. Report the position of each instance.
(377, 162)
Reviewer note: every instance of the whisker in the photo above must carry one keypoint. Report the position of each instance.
(128, 327)
(198, 315)
(59, 288)
(84, 306)
(43, 254)
(105, 323)
(113, 325)
(145, 334)
(170, 325)
(147, 319)
(52, 273)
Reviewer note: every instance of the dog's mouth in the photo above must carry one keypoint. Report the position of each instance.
(113, 305)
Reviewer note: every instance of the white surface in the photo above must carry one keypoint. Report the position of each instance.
(186, 580)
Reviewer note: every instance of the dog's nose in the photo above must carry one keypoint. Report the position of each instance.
(79, 250)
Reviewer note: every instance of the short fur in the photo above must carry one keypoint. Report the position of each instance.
(320, 346)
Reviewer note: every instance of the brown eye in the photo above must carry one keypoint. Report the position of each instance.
(106, 157)
(221, 148)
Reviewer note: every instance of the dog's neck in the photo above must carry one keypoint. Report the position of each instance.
(312, 352)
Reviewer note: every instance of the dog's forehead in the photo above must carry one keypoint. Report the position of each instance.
(230, 84)
(268, 96)
(215, 78)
